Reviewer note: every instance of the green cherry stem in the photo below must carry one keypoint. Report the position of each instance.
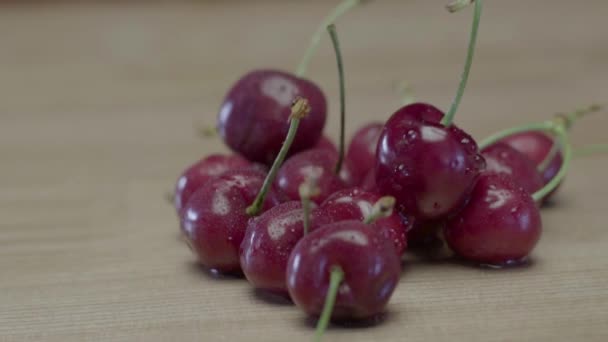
(338, 11)
(562, 136)
(336, 43)
(405, 91)
(307, 190)
(335, 278)
(381, 209)
(554, 127)
(299, 110)
(447, 120)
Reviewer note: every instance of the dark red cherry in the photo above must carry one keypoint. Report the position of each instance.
(361, 152)
(326, 143)
(424, 236)
(536, 145)
(214, 219)
(369, 182)
(199, 173)
(429, 168)
(370, 264)
(318, 164)
(500, 225)
(268, 243)
(504, 159)
(254, 117)
(357, 204)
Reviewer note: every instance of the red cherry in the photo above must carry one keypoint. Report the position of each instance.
(500, 225)
(314, 164)
(504, 159)
(429, 168)
(215, 218)
(268, 242)
(361, 152)
(369, 182)
(254, 117)
(537, 145)
(357, 204)
(199, 173)
(368, 261)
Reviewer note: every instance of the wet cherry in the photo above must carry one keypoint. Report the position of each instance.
(357, 204)
(361, 152)
(214, 219)
(254, 117)
(504, 159)
(200, 172)
(362, 264)
(268, 242)
(500, 225)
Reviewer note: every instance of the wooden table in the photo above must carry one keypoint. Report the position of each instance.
(98, 109)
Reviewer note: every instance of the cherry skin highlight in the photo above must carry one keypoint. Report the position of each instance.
(429, 168)
(500, 225)
(504, 159)
(361, 152)
(197, 174)
(537, 145)
(368, 282)
(254, 117)
(315, 164)
(268, 243)
(214, 219)
(357, 204)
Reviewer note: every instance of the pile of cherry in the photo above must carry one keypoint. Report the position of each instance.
(301, 218)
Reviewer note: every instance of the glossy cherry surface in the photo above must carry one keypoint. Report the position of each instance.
(500, 225)
(199, 173)
(357, 204)
(537, 145)
(214, 219)
(370, 264)
(318, 164)
(254, 117)
(430, 169)
(268, 243)
(504, 159)
(361, 153)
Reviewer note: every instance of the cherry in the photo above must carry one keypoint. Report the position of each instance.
(502, 158)
(215, 218)
(500, 225)
(430, 167)
(361, 152)
(349, 262)
(424, 236)
(357, 204)
(268, 242)
(197, 174)
(369, 182)
(253, 120)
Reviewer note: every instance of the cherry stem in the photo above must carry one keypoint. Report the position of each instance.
(556, 128)
(381, 209)
(590, 150)
(336, 43)
(299, 109)
(562, 136)
(447, 120)
(568, 120)
(336, 277)
(337, 12)
(307, 190)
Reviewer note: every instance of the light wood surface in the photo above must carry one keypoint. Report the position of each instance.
(98, 109)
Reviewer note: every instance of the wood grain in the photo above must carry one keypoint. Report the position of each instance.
(98, 107)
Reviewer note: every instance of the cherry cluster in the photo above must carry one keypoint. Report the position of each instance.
(327, 226)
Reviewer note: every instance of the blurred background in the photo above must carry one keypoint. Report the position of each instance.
(100, 103)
